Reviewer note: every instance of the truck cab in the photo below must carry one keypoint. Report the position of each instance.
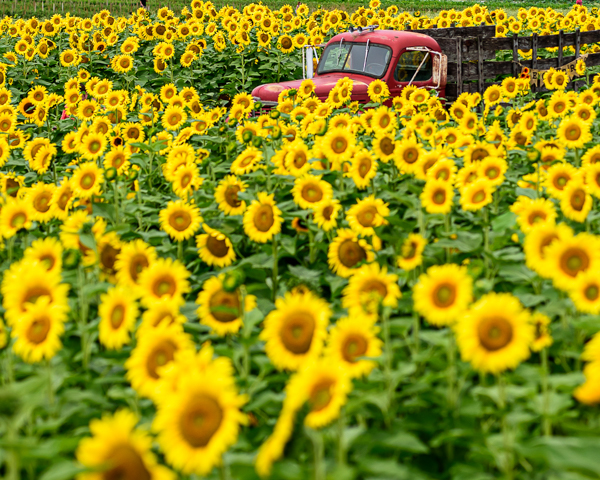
(399, 58)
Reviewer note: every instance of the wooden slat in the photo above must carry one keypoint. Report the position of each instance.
(577, 42)
(534, 54)
(592, 36)
(485, 31)
(459, 66)
(480, 78)
(559, 60)
(515, 47)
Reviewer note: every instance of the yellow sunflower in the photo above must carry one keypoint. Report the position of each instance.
(370, 287)
(437, 196)
(262, 219)
(366, 214)
(576, 202)
(589, 392)
(495, 333)
(363, 169)
(573, 132)
(309, 191)
(532, 213)
(118, 313)
(226, 195)
(443, 294)
(476, 195)
(215, 248)
(155, 348)
(247, 161)
(347, 251)
(542, 337)
(15, 215)
(411, 253)
(164, 278)
(87, 180)
(47, 251)
(295, 331)
(569, 257)
(131, 261)
(585, 293)
(220, 309)
(326, 213)
(539, 238)
(180, 220)
(118, 450)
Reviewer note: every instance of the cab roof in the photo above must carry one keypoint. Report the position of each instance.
(393, 38)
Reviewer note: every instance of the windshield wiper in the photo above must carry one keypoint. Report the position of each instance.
(340, 54)
(366, 53)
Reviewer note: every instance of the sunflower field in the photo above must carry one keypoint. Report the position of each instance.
(195, 286)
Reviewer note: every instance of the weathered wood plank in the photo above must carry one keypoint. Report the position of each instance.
(485, 31)
(559, 59)
(459, 65)
(480, 78)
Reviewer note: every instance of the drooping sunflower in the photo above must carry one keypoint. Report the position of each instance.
(437, 196)
(353, 342)
(215, 248)
(370, 287)
(567, 258)
(347, 251)
(310, 190)
(164, 278)
(295, 331)
(411, 252)
(200, 421)
(366, 214)
(118, 450)
(118, 312)
(576, 202)
(495, 333)
(87, 180)
(443, 294)
(180, 220)
(226, 195)
(131, 261)
(220, 309)
(156, 347)
(262, 219)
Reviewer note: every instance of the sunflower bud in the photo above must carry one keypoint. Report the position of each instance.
(110, 174)
(9, 403)
(274, 114)
(232, 122)
(257, 142)
(133, 174)
(233, 280)
(247, 136)
(276, 133)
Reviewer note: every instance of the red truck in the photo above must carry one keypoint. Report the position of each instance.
(399, 58)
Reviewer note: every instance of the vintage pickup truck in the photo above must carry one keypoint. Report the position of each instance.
(399, 58)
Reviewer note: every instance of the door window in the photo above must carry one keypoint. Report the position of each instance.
(408, 63)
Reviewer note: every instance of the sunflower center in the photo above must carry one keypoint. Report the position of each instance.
(409, 251)
(125, 464)
(591, 292)
(560, 182)
(364, 167)
(354, 346)
(108, 257)
(387, 146)
(164, 285)
(225, 306)
(35, 293)
(439, 197)
(495, 333)
(578, 199)
(320, 396)
(444, 295)
(573, 261)
(492, 173)
(231, 196)
(339, 145)
(479, 154)
(138, 263)
(297, 332)
(18, 220)
(217, 247)
(264, 218)
(573, 132)
(160, 356)
(38, 330)
(88, 180)
(411, 155)
(117, 316)
(200, 420)
(535, 217)
(367, 216)
(94, 146)
(48, 261)
(286, 42)
(180, 220)
(351, 253)
(312, 193)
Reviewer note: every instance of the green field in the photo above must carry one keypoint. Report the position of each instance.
(39, 8)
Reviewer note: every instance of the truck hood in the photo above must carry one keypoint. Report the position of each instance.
(323, 84)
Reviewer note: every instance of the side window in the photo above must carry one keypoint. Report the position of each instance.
(408, 64)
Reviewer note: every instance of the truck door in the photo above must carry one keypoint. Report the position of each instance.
(406, 67)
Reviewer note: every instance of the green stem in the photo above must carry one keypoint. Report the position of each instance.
(447, 229)
(318, 454)
(486, 239)
(415, 331)
(83, 310)
(13, 459)
(275, 268)
(180, 251)
(547, 425)
(341, 426)
(50, 385)
(223, 471)
(116, 201)
(311, 240)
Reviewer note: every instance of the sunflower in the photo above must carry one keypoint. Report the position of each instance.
(532, 213)
(573, 132)
(542, 337)
(406, 155)
(180, 220)
(164, 278)
(378, 91)
(589, 392)
(247, 161)
(370, 287)
(493, 168)
(93, 146)
(338, 144)
(309, 191)
(568, 258)
(437, 196)
(118, 450)
(495, 333)
(131, 261)
(48, 252)
(200, 421)
(363, 169)
(295, 331)
(118, 313)
(443, 294)
(539, 238)
(443, 169)
(476, 195)
(384, 145)
(347, 251)
(226, 195)
(262, 220)
(585, 293)
(366, 214)
(576, 202)
(353, 343)
(326, 213)
(39, 197)
(215, 248)
(155, 348)
(557, 178)
(16, 214)
(411, 252)
(222, 310)
(173, 118)
(38, 331)
(87, 180)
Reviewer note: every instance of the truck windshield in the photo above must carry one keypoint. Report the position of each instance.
(350, 57)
